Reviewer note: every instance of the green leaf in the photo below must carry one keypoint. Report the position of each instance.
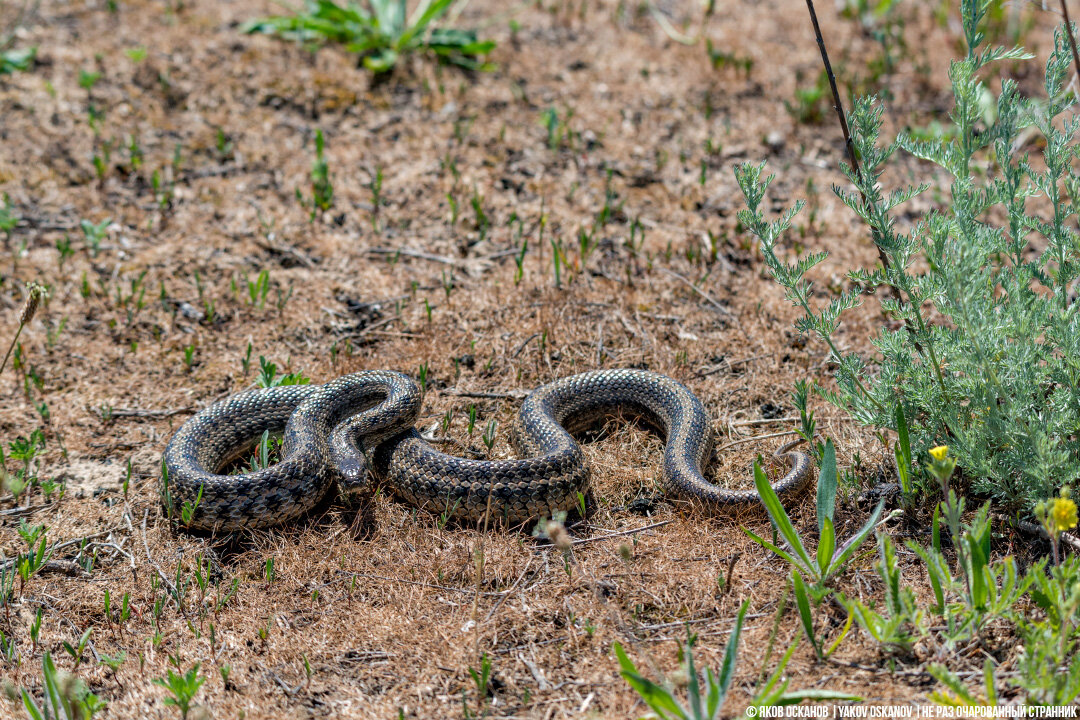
(945, 676)
(13, 60)
(803, 602)
(849, 547)
(782, 553)
(902, 451)
(727, 666)
(988, 682)
(433, 11)
(935, 529)
(979, 590)
(767, 695)
(31, 707)
(934, 571)
(826, 547)
(780, 518)
(826, 487)
(657, 698)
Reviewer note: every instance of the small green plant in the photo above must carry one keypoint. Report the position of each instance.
(893, 628)
(489, 435)
(76, 650)
(482, 679)
(268, 376)
(187, 510)
(189, 356)
(322, 190)
(558, 129)
(9, 218)
(381, 32)
(829, 559)
(705, 695)
(114, 663)
(258, 288)
(12, 61)
(183, 688)
(94, 234)
(375, 187)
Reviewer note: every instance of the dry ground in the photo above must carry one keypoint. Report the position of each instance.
(379, 601)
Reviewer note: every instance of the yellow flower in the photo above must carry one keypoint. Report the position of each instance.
(940, 452)
(1063, 514)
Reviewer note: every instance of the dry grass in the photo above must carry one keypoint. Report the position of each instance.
(379, 600)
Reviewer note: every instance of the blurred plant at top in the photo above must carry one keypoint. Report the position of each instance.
(995, 374)
(380, 31)
(17, 16)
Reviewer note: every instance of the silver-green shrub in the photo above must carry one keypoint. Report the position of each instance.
(987, 358)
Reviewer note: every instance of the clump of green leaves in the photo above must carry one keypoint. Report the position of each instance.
(183, 688)
(380, 31)
(12, 61)
(994, 374)
(268, 376)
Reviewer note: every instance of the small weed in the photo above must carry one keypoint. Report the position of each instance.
(379, 32)
(183, 688)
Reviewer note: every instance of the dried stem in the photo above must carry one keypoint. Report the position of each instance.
(1072, 38)
(33, 298)
(838, 105)
(849, 146)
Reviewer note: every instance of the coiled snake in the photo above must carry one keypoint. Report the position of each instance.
(337, 431)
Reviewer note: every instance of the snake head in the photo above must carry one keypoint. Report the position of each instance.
(354, 472)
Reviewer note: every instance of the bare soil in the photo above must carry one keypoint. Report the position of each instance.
(388, 608)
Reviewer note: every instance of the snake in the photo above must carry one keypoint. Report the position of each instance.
(359, 428)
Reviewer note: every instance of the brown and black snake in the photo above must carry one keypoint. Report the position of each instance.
(358, 425)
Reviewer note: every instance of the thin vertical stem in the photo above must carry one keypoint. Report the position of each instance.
(1072, 39)
(837, 104)
(11, 347)
(849, 144)
(853, 160)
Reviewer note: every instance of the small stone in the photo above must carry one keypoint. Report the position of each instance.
(775, 141)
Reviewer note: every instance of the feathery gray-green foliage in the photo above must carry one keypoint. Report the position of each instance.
(987, 359)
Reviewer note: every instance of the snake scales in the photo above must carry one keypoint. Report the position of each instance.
(339, 430)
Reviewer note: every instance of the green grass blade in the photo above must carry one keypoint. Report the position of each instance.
(731, 652)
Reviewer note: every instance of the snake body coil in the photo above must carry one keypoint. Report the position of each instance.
(330, 430)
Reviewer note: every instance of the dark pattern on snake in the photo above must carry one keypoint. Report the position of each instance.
(330, 430)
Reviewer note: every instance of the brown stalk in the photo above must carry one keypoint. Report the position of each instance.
(1072, 39)
(838, 105)
(849, 146)
(33, 298)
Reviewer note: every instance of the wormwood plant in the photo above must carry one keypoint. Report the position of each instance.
(380, 31)
(987, 359)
